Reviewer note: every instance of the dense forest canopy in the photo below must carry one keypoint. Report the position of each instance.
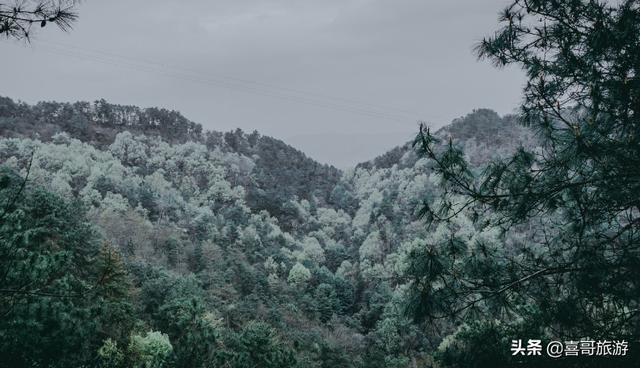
(132, 237)
(240, 237)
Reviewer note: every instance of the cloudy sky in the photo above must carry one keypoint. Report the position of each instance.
(244, 63)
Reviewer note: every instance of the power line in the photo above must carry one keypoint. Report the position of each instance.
(229, 86)
(248, 81)
(232, 86)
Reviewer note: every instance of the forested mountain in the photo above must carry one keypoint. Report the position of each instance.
(131, 237)
(189, 248)
(99, 123)
(482, 134)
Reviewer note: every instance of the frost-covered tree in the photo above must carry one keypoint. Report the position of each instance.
(299, 275)
(151, 350)
(372, 247)
(312, 250)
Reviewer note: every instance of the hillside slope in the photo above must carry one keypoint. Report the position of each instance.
(235, 240)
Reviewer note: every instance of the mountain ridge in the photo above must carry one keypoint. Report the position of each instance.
(243, 234)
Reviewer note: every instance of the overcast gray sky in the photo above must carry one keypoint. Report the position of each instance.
(402, 54)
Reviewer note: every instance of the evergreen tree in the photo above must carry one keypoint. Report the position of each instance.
(57, 282)
(257, 346)
(326, 301)
(16, 20)
(332, 357)
(580, 269)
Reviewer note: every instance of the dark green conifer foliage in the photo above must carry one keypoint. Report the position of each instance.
(17, 19)
(327, 301)
(256, 346)
(579, 192)
(332, 356)
(56, 281)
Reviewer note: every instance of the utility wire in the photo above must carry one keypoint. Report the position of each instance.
(248, 81)
(229, 86)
